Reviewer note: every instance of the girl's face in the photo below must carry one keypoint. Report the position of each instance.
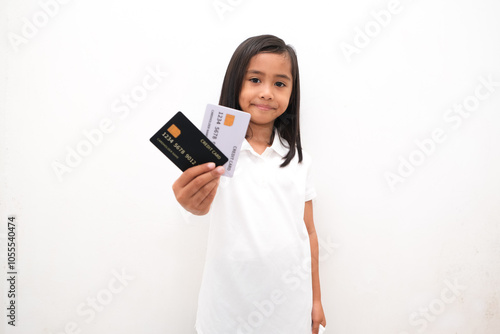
(267, 87)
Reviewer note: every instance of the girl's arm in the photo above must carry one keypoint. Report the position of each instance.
(318, 316)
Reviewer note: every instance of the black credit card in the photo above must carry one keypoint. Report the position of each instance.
(183, 143)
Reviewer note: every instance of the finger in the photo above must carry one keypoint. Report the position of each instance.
(208, 194)
(205, 185)
(315, 328)
(192, 173)
(198, 183)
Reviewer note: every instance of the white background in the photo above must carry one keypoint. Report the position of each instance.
(388, 254)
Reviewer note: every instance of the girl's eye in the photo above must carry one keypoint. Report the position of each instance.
(280, 84)
(254, 80)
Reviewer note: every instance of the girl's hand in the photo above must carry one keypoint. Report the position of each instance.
(317, 316)
(195, 189)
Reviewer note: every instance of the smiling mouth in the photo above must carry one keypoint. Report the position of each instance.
(264, 107)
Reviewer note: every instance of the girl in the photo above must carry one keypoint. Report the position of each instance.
(261, 270)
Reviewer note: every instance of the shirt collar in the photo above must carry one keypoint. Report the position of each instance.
(277, 145)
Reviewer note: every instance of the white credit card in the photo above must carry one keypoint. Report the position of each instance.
(321, 329)
(226, 128)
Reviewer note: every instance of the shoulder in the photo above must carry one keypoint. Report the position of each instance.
(307, 159)
(282, 147)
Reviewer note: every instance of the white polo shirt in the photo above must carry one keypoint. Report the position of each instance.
(257, 275)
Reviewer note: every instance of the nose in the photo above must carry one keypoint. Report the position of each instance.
(266, 93)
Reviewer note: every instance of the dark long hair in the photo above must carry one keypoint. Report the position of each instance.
(287, 125)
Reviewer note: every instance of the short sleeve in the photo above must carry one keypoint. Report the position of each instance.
(310, 192)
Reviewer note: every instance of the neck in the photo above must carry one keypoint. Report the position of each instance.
(259, 136)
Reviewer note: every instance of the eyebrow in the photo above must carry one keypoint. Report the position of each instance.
(284, 76)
